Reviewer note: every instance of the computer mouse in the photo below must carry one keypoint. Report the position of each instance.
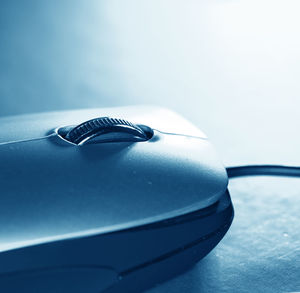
(106, 200)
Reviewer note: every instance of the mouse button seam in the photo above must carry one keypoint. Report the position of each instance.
(27, 140)
(181, 134)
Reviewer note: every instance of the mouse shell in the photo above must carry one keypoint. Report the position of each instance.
(104, 213)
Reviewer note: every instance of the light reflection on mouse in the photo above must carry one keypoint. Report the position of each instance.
(104, 204)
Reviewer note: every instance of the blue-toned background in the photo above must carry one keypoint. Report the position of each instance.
(220, 63)
(231, 67)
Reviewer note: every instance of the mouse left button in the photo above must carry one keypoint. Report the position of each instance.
(73, 279)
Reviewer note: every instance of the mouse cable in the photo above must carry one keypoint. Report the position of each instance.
(263, 170)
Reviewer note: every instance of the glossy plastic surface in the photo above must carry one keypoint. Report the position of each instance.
(106, 205)
(54, 190)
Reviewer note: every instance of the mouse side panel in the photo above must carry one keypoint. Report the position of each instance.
(172, 264)
(150, 253)
(168, 267)
(59, 280)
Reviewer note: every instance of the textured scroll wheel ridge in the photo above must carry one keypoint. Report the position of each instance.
(102, 122)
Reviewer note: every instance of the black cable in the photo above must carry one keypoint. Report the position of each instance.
(263, 170)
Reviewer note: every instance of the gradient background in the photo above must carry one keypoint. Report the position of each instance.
(231, 67)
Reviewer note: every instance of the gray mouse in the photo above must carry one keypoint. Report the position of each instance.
(106, 200)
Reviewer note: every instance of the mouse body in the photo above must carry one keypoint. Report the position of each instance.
(110, 215)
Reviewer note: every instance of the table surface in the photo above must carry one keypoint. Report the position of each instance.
(231, 67)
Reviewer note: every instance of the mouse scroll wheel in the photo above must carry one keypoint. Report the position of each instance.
(105, 129)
